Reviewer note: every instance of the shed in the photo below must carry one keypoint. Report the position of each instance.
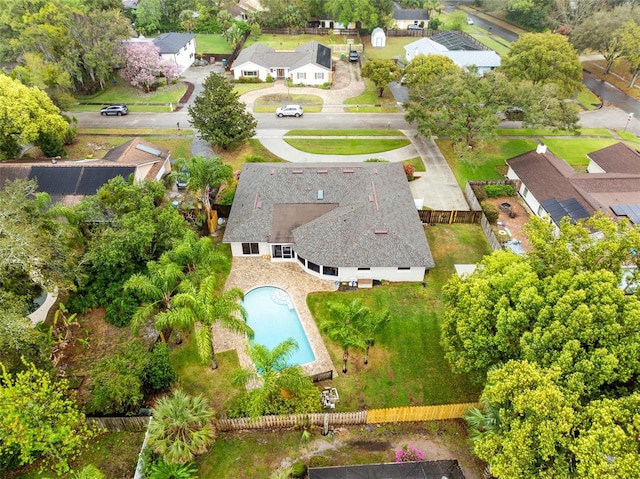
(378, 38)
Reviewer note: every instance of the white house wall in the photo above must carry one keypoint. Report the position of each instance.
(309, 71)
(238, 71)
(594, 168)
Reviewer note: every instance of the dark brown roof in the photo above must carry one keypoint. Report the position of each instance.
(618, 158)
(136, 152)
(287, 217)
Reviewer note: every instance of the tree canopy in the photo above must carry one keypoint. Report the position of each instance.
(219, 116)
(27, 115)
(544, 58)
(424, 69)
(381, 73)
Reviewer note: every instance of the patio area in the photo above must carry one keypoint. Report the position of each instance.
(250, 273)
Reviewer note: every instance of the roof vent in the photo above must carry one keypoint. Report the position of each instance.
(273, 170)
(322, 172)
(321, 194)
(541, 149)
(380, 231)
(297, 172)
(370, 198)
(259, 204)
(348, 171)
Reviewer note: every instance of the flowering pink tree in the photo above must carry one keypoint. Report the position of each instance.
(143, 65)
(409, 454)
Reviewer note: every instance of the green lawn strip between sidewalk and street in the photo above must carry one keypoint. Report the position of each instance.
(344, 133)
(603, 132)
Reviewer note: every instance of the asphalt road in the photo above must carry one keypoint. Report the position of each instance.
(611, 94)
(496, 30)
(266, 121)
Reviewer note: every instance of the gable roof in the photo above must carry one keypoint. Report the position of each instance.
(172, 42)
(366, 216)
(615, 192)
(412, 14)
(457, 41)
(309, 53)
(463, 57)
(618, 158)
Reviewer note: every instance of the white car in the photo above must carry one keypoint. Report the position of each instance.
(469, 21)
(289, 110)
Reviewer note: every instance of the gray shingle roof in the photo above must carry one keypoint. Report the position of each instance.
(172, 42)
(413, 14)
(267, 57)
(618, 158)
(339, 230)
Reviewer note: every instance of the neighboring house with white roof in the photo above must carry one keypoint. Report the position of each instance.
(464, 55)
(178, 48)
(309, 64)
(339, 222)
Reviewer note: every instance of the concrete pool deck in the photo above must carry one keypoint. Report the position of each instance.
(250, 273)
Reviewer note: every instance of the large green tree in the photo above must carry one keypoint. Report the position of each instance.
(182, 427)
(629, 35)
(219, 116)
(202, 307)
(424, 69)
(599, 32)
(27, 114)
(544, 58)
(39, 420)
(381, 73)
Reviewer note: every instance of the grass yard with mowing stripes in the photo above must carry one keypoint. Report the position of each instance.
(407, 365)
(544, 132)
(345, 147)
(269, 103)
(122, 92)
(574, 151)
(212, 43)
(494, 167)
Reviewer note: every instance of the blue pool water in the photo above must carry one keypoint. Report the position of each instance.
(273, 318)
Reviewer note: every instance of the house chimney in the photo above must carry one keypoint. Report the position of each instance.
(541, 149)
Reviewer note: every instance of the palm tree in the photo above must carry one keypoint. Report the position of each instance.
(483, 420)
(156, 289)
(197, 256)
(205, 176)
(89, 472)
(182, 427)
(342, 326)
(274, 374)
(162, 470)
(202, 306)
(372, 324)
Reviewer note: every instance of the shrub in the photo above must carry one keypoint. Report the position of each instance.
(51, 144)
(409, 170)
(497, 191)
(319, 461)
(298, 469)
(159, 375)
(409, 454)
(225, 197)
(480, 192)
(491, 211)
(254, 159)
(376, 160)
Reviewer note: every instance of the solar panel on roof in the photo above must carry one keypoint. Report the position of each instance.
(630, 211)
(559, 209)
(148, 149)
(454, 41)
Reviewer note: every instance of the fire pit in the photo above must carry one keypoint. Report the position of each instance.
(505, 206)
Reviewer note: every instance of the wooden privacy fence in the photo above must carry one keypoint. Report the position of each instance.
(271, 422)
(128, 423)
(419, 413)
(449, 217)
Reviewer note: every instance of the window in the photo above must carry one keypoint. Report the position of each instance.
(250, 248)
(404, 268)
(364, 269)
(249, 73)
(313, 266)
(525, 192)
(301, 76)
(541, 211)
(303, 261)
(319, 75)
(282, 251)
(330, 270)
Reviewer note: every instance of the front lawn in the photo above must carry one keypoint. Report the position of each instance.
(291, 42)
(346, 147)
(212, 43)
(269, 103)
(344, 133)
(407, 365)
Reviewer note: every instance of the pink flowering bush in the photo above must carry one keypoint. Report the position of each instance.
(409, 454)
(143, 65)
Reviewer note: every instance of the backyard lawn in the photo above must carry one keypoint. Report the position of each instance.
(212, 43)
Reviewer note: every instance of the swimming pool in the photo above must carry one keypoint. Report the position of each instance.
(273, 318)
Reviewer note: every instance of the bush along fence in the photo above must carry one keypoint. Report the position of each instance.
(473, 201)
(372, 416)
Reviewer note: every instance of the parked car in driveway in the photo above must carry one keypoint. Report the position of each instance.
(353, 56)
(119, 110)
(290, 110)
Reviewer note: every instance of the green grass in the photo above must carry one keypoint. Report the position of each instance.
(252, 147)
(574, 151)
(394, 47)
(122, 92)
(345, 147)
(493, 167)
(545, 132)
(417, 163)
(135, 132)
(588, 99)
(291, 42)
(269, 103)
(344, 133)
(212, 43)
(407, 364)
(495, 45)
(370, 97)
(627, 135)
(179, 147)
(243, 88)
(114, 453)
